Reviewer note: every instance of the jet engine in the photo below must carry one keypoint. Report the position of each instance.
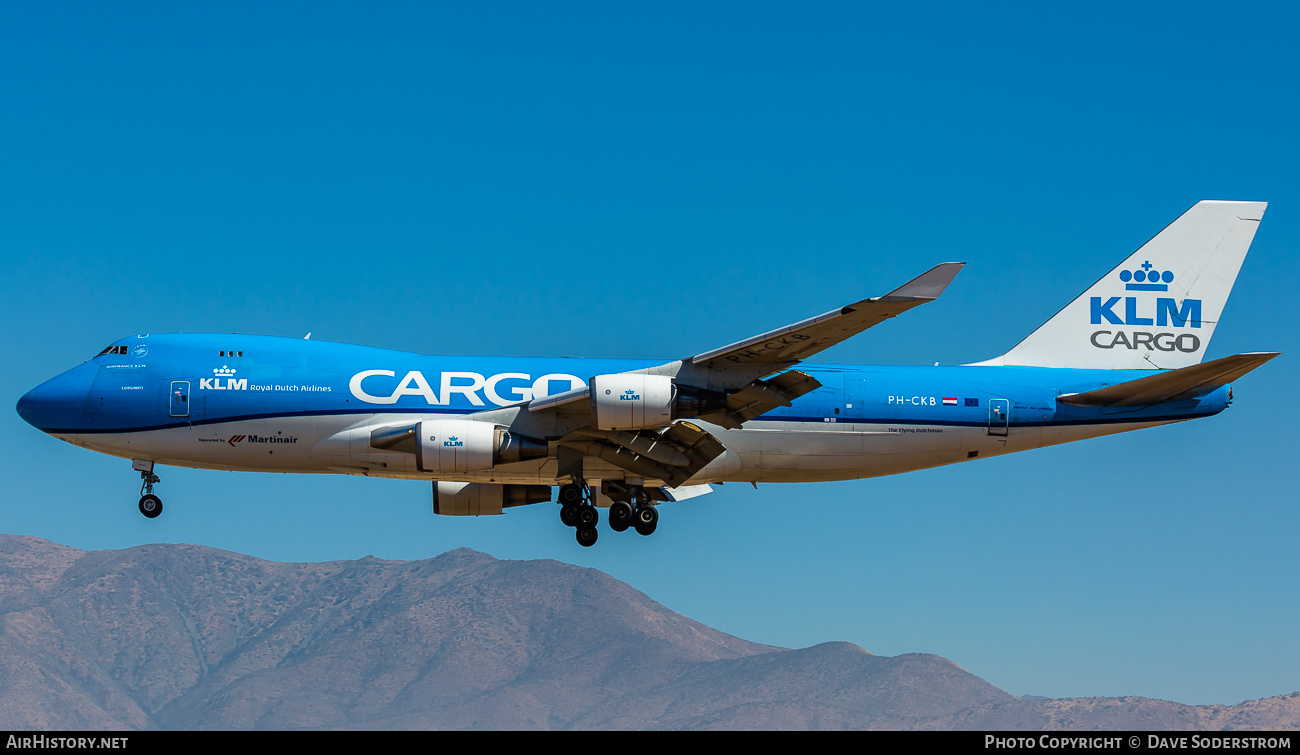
(629, 401)
(484, 499)
(458, 446)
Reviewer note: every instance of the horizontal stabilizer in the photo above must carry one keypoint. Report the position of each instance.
(1186, 382)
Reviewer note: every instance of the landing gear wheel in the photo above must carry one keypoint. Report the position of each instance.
(150, 506)
(571, 494)
(588, 516)
(647, 519)
(569, 514)
(587, 536)
(620, 516)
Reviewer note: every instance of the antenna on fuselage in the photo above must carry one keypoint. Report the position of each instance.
(307, 337)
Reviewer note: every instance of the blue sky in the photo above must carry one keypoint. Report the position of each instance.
(653, 181)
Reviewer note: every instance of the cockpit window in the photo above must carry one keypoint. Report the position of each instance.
(113, 350)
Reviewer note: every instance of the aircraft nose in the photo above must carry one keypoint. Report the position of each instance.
(57, 403)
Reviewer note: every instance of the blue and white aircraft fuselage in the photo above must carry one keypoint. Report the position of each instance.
(494, 432)
(253, 412)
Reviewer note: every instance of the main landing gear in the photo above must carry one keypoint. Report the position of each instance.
(150, 504)
(643, 517)
(631, 508)
(577, 511)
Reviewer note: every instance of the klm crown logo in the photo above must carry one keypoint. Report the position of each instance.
(1146, 279)
(630, 395)
(453, 442)
(229, 384)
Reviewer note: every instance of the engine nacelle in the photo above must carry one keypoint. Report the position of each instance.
(484, 499)
(631, 402)
(638, 402)
(460, 446)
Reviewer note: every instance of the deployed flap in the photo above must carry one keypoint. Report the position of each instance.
(647, 443)
(762, 396)
(786, 346)
(686, 492)
(696, 446)
(1187, 382)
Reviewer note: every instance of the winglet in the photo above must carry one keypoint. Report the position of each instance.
(928, 285)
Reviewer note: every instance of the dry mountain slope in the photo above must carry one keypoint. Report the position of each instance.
(188, 637)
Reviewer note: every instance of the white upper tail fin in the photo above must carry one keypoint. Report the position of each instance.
(1158, 308)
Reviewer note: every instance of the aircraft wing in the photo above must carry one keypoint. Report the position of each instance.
(727, 386)
(787, 346)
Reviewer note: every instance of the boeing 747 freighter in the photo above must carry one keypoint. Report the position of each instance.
(628, 435)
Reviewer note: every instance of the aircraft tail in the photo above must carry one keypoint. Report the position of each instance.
(1157, 310)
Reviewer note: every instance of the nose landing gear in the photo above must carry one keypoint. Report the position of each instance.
(150, 504)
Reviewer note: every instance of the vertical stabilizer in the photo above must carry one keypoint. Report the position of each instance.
(1158, 308)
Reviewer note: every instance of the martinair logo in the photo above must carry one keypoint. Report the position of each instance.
(263, 439)
(1167, 313)
(630, 395)
(228, 384)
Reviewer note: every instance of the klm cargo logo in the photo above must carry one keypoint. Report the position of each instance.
(629, 395)
(501, 389)
(1139, 311)
(223, 381)
(1167, 312)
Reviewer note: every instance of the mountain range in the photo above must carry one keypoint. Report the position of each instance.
(189, 637)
